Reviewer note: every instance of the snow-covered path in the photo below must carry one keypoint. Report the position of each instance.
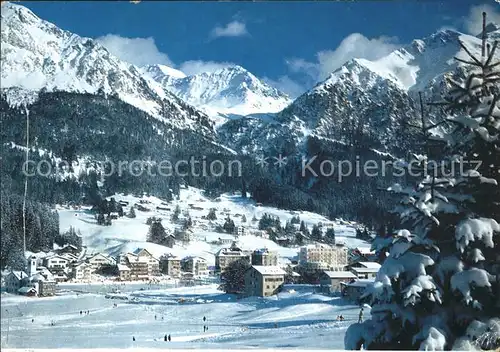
(291, 320)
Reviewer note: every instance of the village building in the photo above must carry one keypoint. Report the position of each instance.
(141, 263)
(195, 265)
(60, 276)
(99, 260)
(365, 273)
(68, 249)
(294, 278)
(82, 271)
(263, 281)
(14, 280)
(225, 241)
(70, 257)
(226, 256)
(183, 235)
(123, 272)
(320, 257)
(257, 233)
(354, 290)
(169, 241)
(40, 278)
(264, 257)
(365, 270)
(27, 291)
(283, 241)
(44, 285)
(363, 254)
(331, 281)
(56, 263)
(239, 230)
(170, 265)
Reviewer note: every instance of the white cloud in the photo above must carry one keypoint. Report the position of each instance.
(474, 21)
(286, 85)
(143, 51)
(232, 29)
(137, 51)
(194, 67)
(353, 46)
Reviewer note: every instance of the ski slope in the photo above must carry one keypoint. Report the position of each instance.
(304, 319)
(126, 234)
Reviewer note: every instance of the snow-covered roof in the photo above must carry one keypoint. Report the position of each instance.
(269, 270)
(365, 250)
(36, 278)
(370, 265)
(360, 283)
(19, 274)
(314, 246)
(340, 274)
(59, 275)
(294, 274)
(263, 251)
(172, 257)
(366, 270)
(56, 256)
(122, 267)
(230, 251)
(26, 289)
(194, 258)
(69, 256)
(140, 250)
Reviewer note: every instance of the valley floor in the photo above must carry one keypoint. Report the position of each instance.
(304, 319)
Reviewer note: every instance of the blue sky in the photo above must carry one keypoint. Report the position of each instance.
(291, 45)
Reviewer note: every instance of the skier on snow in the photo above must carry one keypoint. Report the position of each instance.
(360, 320)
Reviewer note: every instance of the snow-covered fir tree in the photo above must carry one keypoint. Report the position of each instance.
(439, 288)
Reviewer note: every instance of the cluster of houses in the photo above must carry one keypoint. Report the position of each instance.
(332, 264)
(36, 281)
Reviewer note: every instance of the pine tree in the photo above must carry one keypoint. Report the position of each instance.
(299, 239)
(316, 233)
(233, 276)
(176, 213)
(188, 223)
(211, 214)
(439, 288)
(330, 235)
(131, 213)
(157, 233)
(243, 218)
(229, 225)
(303, 228)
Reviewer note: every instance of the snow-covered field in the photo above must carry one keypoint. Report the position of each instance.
(304, 319)
(127, 234)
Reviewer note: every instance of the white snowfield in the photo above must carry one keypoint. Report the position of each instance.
(126, 234)
(295, 318)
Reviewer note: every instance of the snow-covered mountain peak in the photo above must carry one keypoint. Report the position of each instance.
(36, 55)
(163, 70)
(411, 67)
(230, 90)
